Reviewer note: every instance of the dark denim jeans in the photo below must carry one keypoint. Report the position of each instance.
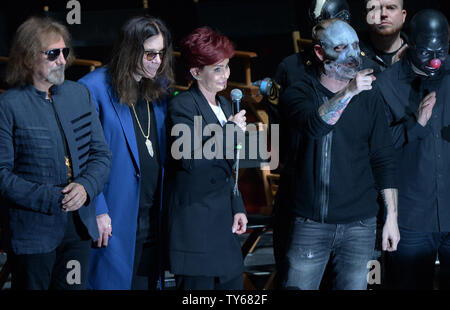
(349, 246)
(412, 266)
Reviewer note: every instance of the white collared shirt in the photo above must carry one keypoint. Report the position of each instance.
(219, 113)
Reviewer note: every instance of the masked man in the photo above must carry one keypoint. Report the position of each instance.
(293, 67)
(290, 70)
(417, 95)
(345, 155)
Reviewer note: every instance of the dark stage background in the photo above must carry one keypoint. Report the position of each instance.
(261, 26)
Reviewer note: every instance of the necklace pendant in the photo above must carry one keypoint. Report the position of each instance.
(149, 146)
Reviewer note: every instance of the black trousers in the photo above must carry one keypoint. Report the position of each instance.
(65, 268)
(145, 268)
(208, 283)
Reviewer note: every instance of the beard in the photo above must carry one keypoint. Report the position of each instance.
(56, 75)
(386, 31)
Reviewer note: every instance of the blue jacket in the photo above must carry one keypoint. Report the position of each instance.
(112, 267)
(32, 167)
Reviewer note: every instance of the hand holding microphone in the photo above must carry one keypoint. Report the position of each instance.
(239, 117)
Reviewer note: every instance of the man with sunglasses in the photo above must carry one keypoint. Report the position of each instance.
(131, 93)
(53, 162)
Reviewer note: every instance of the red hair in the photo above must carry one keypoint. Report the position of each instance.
(205, 47)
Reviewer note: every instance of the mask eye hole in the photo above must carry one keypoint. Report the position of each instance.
(424, 53)
(441, 54)
(340, 48)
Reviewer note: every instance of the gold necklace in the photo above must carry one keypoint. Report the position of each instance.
(148, 143)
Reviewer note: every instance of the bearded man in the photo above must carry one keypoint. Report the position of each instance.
(345, 154)
(54, 161)
(386, 43)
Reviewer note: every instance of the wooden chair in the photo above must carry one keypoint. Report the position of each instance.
(300, 44)
(92, 64)
(258, 225)
(250, 92)
(77, 62)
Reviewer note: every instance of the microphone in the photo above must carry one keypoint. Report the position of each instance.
(236, 96)
(264, 85)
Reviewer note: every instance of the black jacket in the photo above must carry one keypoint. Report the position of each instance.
(336, 170)
(201, 204)
(32, 168)
(375, 56)
(289, 71)
(423, 152)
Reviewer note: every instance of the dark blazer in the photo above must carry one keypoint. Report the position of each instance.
(31, 179)
(201, 202)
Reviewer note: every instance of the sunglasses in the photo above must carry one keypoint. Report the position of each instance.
(150, 55)
(53, 54)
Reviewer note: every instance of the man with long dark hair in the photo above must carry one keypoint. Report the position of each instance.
(54, 161)
(131, 97)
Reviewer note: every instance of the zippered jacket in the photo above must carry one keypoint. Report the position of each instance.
(336, 170)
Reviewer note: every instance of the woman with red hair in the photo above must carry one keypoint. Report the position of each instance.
(204, 215)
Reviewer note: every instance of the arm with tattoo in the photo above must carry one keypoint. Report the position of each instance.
(390, 198)
(332, 110)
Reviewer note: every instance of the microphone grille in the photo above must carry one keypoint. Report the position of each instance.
(236, 94)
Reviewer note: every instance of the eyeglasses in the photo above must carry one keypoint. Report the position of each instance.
(150, 55)
(53, 54)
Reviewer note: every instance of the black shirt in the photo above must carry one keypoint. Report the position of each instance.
(423, 153)
(343, 187)
(380, 60)
(150, 174)
(289, 71)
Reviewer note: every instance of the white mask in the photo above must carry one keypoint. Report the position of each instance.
(344, 64)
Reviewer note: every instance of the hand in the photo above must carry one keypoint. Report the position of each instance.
(104, 229)
(74, 197)
(391, 234)
(361, 82)
(239, 119)
(399, 54)
(239, 223)
(426, 109)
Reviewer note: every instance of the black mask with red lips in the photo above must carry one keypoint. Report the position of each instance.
(429, 39)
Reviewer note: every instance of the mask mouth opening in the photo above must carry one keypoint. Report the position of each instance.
(354, 64)
(431, 68)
